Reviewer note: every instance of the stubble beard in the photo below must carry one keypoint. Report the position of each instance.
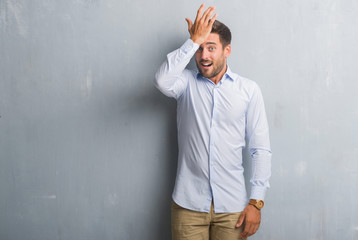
(217, 68)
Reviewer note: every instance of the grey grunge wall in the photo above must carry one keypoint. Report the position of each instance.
(88, 146)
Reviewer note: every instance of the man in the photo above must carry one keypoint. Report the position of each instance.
(216, 109)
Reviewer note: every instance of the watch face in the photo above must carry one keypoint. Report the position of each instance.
(257, 203)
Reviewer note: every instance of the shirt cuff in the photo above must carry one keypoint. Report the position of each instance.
(189, 46)
(258, 192)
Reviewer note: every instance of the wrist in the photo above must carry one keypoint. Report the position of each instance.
(252, 208)
(196, 40)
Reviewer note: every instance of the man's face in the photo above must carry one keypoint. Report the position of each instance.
(211, 57)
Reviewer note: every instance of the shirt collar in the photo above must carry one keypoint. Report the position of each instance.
(230, 74)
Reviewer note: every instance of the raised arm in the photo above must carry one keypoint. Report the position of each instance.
(170, 78)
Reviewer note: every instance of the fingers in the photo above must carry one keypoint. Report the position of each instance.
(201, 28)
(205, 14)
(251, 221)
(190, 24)
(212, 20)
(241, 220)
(249, 230)
(208, 13)
(199, 12)
(244, 233)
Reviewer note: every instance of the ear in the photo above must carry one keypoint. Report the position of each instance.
(227, 51)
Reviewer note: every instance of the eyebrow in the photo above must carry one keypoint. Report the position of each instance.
(208, 43)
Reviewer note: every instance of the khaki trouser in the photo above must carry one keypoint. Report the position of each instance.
(193, 225)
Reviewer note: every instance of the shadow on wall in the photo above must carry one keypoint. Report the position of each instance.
(143, 122)
(149, 119)
(153, 101)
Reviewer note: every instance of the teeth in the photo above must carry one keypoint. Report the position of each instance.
(206, 64)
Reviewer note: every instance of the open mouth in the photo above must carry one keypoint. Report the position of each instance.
(205, 64)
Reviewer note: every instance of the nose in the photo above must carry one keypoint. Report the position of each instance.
(204, 54)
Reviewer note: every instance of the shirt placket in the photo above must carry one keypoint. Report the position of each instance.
(213, 139)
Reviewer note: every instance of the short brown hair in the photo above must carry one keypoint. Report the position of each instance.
(223, 31)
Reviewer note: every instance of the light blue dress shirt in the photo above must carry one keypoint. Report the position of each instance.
(212, 122)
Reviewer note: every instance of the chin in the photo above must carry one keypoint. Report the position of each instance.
(205, 74)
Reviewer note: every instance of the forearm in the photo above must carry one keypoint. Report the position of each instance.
(169, 79)
(259, 145)
(261, 173)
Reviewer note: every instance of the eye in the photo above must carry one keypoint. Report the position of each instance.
(211, 49)
(199, 49)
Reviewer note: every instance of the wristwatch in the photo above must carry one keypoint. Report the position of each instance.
(257, 203)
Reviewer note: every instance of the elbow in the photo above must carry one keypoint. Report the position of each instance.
(161, 83)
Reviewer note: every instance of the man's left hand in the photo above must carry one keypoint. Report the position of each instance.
(252, 218)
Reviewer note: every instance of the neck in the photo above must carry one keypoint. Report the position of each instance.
(218, 77)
